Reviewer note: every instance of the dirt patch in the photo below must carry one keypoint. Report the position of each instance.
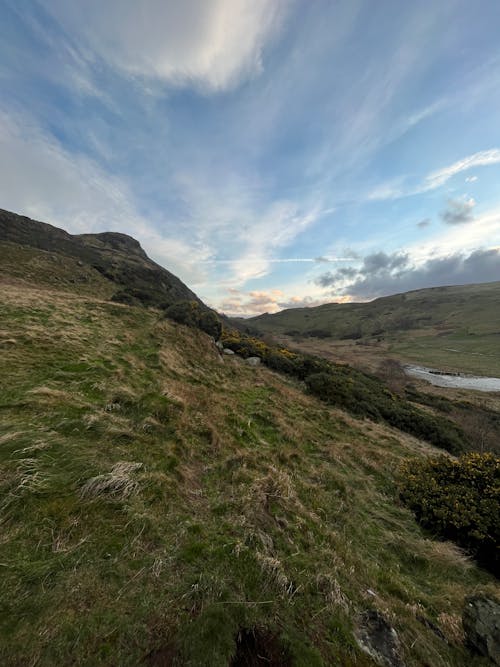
(256, 648)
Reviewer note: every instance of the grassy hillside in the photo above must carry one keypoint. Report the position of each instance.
(160, 506)
(453, 327)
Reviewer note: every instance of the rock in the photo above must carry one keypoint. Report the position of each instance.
(226, 350)
(481, 621)
(253, 361)
(378, 638)
(219, 344)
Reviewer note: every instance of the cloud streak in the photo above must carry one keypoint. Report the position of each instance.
(395, 188)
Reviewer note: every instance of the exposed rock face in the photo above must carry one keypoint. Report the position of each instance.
(117, 257)
(481, 621)
(379, 639)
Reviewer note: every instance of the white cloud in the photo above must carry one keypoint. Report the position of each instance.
(394, 189)
(480, 159)
(209, 44)
(40, 179)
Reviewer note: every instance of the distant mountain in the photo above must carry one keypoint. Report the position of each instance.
(114, 262)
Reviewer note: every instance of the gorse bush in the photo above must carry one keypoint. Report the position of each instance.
(458, 500)
(361, 394)
(193, 315)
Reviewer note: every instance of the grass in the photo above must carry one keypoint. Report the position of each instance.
(454, 328)
(156, 501)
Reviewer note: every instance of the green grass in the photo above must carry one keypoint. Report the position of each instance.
(155, 499)
(478, 353)
(422, 326)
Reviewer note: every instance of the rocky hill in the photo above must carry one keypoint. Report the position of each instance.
(129, 275)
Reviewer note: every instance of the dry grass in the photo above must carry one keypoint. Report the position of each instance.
(158, 496)
(118, 483)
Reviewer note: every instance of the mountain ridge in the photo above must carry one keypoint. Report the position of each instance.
(116, 256)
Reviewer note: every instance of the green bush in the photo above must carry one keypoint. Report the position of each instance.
(192, 314)
(458, 499)
(210, 324)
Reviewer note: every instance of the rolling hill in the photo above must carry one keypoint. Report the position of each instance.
(456, 327)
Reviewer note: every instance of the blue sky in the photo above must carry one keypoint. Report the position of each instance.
(269, 152)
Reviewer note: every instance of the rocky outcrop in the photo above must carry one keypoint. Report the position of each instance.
(481, 621)
(117, 257)
(377, 638)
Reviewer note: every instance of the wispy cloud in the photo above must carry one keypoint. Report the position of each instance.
(283, 260)
(41, 179)
(395, 189)
(481, 159)
(212, 45)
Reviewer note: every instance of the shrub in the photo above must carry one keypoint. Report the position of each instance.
(210, 324)
(184, 312)
(458, 499)
(191, 314)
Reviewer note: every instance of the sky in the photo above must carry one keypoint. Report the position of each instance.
(271, 153)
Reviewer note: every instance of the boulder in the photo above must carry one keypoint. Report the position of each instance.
(481, 621)
(377, 638)
(253, 361)
(226, 350)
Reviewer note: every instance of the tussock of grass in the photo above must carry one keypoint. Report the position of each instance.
(157, 502)
(118, 483)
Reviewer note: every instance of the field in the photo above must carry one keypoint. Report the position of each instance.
(161, 506)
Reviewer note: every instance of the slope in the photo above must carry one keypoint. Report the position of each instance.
(456, 327)
(113, 263)
(160, 506)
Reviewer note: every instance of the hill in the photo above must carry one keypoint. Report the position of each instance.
(113, 264)
(158, 501)
(161, 504)
(456, 328)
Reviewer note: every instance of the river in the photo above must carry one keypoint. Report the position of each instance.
(457, 381)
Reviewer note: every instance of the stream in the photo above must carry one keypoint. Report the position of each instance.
(457, 381)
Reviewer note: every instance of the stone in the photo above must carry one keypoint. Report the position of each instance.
(377, 638)
(253, 361)
(219, 345)
(226, 350)
(481, 621)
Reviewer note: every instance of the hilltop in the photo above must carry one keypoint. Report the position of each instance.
(163, 504)
(110, 264)
(457, 328)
